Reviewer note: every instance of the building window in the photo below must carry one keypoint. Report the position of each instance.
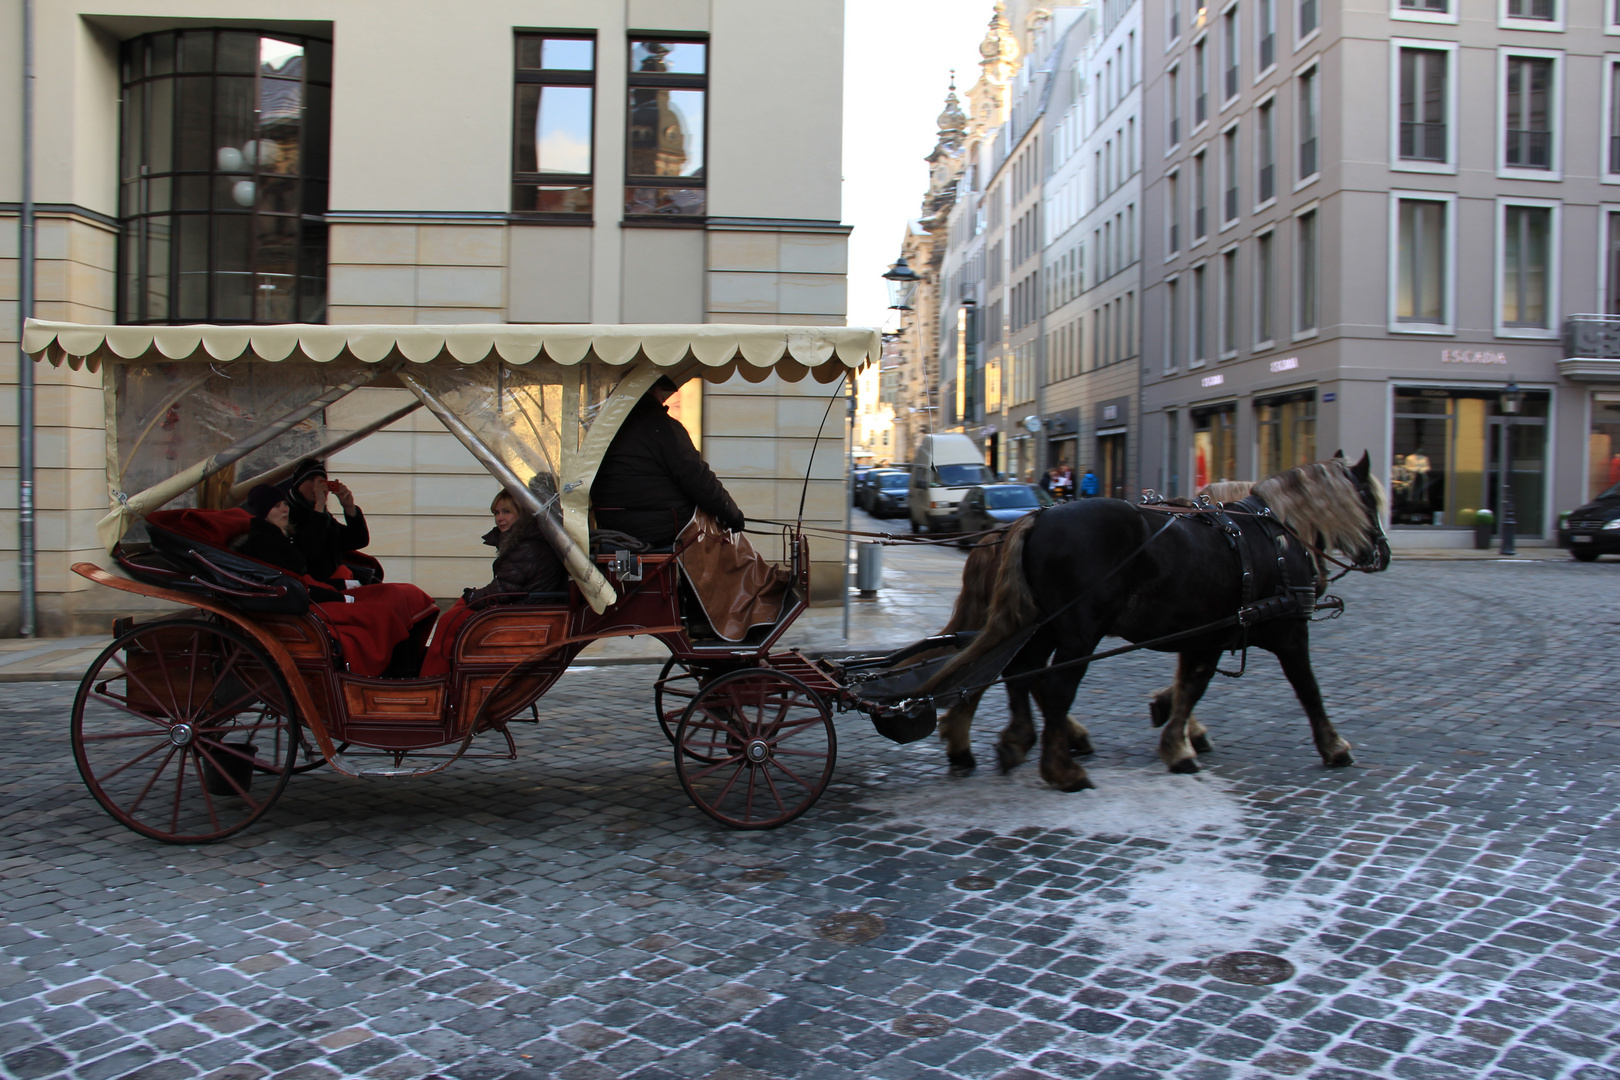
(1175, 19)
(1527, 274)
(1305, 317)
(1422, 262)
(1229, 40)
(1545, 10)
(1200, 215)
(1307, 125)
(1603, 444)
(1447, 450)
(1200, 340)
(1423, 104)
(1611, 149)
(1265, 319)
(1440, 7)
(223, 170)
(1429, 11)
(1172, 93)
(1172, 198)
(1229, 166)
(1200, 82)
(1266, 163)
(1527, 130)
(1308, 19)
(665, 169)
(1287, 431)
(1229, 304)
(1266, 16)
(1214, 444)
(554, 110)
(1172, 303)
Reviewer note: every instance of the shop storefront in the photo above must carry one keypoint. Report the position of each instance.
(1112, 431)
(1062, 438)
(1285, 426)
(1603, 443)
(1450, 446)
(1214, 443)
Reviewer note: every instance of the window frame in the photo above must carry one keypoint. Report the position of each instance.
(1609, 115)
(1197, 314)
(670, 81)
(1229, 291)
(1554, 25)
(1605, 209)
(1265, 241)
(1172, 20)
(1396, 162)
(1305, 37)
(544, 78)
(1392, 272)
(1611, 17)
(1199, 160)
(1172, 198)
(1554, 173)
(1173, 343)
(1231, 54)
(1449, 16)
(1313, 69)
(1555, 247)
(1200, 50)
(1261, 68)
(1265, 114)
(1296, 332)
(1173, 116)
(1231, 164)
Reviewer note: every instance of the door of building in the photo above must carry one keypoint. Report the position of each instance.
(1528, 455)
(1111, 466)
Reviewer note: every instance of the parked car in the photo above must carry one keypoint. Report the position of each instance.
(995, 505)
(945, 467)
(1593, 529)
(885, 493)
(857, 478)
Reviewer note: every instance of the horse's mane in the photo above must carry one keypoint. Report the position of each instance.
(1321, 500)
(1225, 491)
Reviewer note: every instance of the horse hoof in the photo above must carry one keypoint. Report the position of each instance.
(1339, 760)
(1080, 746)
(1008, 758)
(962, 764)
(1082, 783)
(1185, 767)
(1200, 743)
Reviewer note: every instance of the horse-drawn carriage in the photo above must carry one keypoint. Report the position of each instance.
(188, 727)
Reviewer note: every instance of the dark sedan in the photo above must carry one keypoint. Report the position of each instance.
(995, 505)
(1593, 529)
(886, 493)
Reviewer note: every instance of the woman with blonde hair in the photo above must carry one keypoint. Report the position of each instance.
(524, 563)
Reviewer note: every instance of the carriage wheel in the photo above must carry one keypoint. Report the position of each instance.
(184, 731)
(677, 685)
(755, 749)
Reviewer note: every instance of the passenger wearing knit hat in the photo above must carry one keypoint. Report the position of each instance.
(266, 538)
(262, 499)
(322, 538)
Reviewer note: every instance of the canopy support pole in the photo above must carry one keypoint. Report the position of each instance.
(27, 554)
(116, 523)
(598, 593)
(281, 472)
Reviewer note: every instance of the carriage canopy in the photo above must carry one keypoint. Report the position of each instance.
(196, 415)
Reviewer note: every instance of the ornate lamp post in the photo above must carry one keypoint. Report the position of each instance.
(1512, 398)
(902, 281)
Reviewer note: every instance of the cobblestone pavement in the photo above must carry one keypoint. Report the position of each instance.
(1448, 906)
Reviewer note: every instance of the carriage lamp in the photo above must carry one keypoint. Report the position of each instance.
(1512, 398)
(902, 281)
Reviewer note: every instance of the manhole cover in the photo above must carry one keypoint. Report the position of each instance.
(1252, 968)
(974, 883)
(921, 1025)
(850, 927)
(763, 873)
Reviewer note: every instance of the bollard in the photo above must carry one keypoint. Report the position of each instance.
(869, 568)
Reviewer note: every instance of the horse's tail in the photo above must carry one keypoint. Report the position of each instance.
(1011, 603)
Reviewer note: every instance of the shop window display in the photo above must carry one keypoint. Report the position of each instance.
(1287, 430)
(1214, 444)
(1603, 444)
(1448, 454)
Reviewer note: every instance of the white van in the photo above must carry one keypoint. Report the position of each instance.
(942, 471)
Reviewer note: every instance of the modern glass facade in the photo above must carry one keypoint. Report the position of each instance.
(1449, 450)
(223, 168)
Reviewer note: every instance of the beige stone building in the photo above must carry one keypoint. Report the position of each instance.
(352, 161)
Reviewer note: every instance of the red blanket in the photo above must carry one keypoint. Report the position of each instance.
(373, 619)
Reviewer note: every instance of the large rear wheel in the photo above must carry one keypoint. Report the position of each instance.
(184, 731)
(755, 749)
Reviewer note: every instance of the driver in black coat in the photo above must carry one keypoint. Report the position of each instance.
(652, 477)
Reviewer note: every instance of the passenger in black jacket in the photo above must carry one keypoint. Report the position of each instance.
(652, 477)
(319, 536)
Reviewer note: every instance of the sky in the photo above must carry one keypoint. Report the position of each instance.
(898, 55)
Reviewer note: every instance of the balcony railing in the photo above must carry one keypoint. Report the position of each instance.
(1423, 142)
(1529, 149)
(1592, 337)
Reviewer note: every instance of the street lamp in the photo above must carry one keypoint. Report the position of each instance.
(1512, 398)
(902, 281)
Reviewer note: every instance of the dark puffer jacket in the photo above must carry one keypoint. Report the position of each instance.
(524, 562)
(319, 536)
(652, 477)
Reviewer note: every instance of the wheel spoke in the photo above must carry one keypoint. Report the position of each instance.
(202, 785)
(781, 806)
(142, 756)
(241, 792)
(157, 772)
(791, 775)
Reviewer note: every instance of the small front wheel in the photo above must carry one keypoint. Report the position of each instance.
(755, 749)
(184, 731)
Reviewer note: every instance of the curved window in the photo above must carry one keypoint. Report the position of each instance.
(224, 168)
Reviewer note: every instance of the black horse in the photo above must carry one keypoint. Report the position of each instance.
(1073, 574)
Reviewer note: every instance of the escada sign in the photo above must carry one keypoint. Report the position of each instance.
(1471, 356)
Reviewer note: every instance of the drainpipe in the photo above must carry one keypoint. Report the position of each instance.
(26, 562)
